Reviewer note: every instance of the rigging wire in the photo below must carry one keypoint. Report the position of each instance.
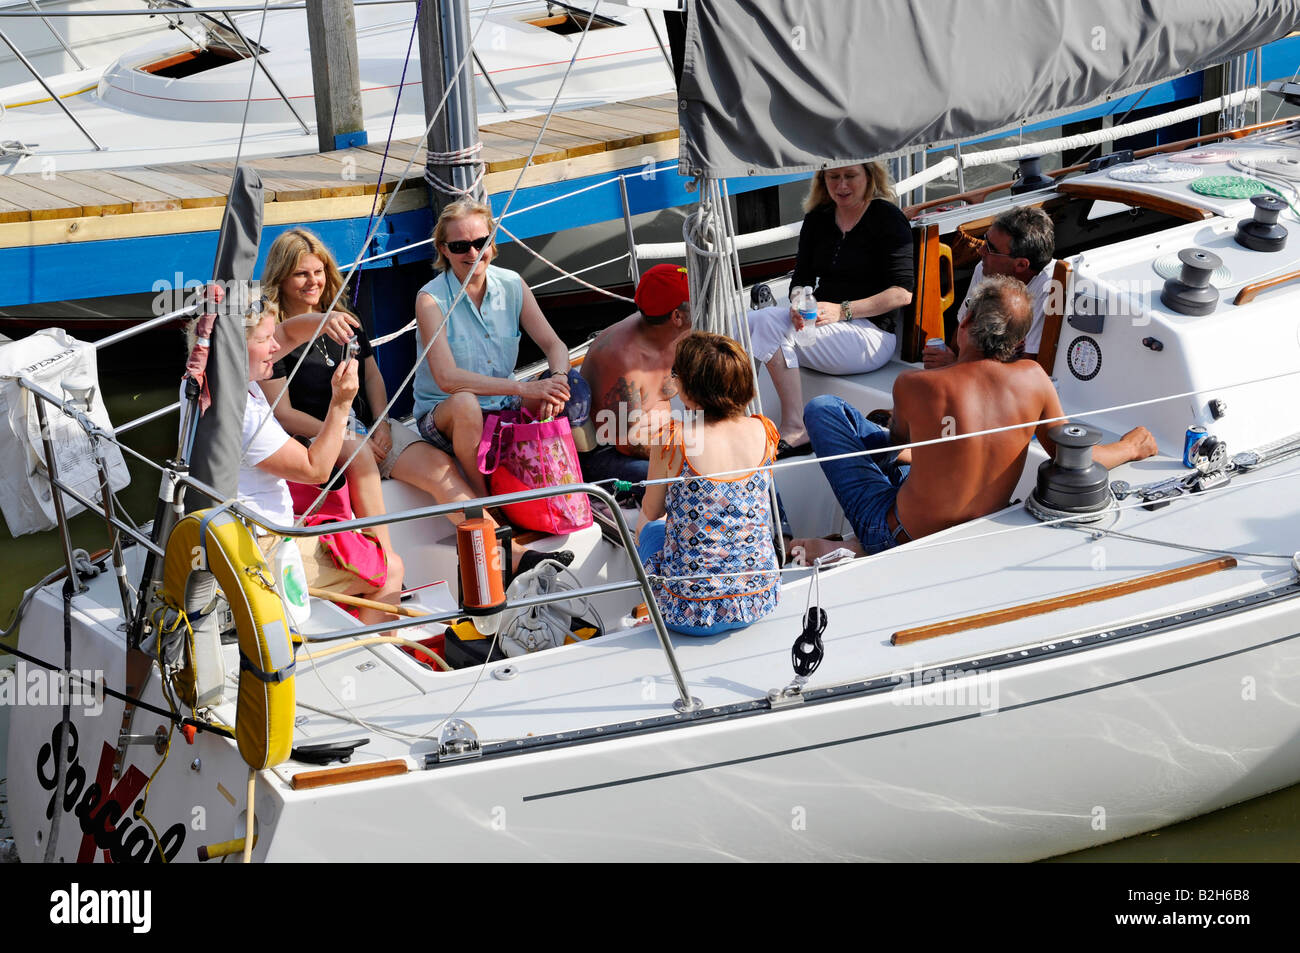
(252, 75)
(505, 209)
(410, 325)
(571, 275)
(1064, 522)
(370, 237)
(388, 143)
(975, 433)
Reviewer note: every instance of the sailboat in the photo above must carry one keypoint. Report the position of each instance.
(181, 96)
(1028, 683)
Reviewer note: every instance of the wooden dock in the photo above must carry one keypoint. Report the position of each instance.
(95, 205)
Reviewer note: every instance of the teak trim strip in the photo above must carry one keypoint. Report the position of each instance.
(1096, 594)
(1128, 196)
(305, 780)
(1053, 316)
(1249, 293)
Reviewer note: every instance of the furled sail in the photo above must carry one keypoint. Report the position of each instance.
(793, 85)
(217, 449)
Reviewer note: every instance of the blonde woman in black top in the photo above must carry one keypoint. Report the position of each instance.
(855, 250)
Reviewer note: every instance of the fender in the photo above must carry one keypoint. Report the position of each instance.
(209, 548)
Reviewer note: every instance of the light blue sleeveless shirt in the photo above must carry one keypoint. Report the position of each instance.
(483, 340)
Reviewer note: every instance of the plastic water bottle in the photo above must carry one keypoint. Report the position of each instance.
(807, 307)
(291, 581)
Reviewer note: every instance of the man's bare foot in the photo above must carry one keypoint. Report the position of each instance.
(804, 551)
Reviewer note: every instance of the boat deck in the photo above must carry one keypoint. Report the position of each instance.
(584, 141)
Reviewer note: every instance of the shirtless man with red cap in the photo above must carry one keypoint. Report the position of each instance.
(629, 368)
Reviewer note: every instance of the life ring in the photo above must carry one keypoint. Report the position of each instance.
(209, 548)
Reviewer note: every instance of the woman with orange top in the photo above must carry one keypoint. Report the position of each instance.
(710, 535)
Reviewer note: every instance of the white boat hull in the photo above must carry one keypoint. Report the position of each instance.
(1037, 752)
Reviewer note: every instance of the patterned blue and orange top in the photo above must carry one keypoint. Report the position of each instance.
(719, 530)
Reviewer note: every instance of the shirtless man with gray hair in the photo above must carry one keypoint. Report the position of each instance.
(893, 498)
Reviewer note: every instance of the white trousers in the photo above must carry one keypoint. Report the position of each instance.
(845, 347)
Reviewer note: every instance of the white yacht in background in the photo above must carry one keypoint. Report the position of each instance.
(181, 96)
(54, 42)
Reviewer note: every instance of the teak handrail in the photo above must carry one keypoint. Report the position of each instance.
(1248, 294)
(306, 780)
(1096, 594)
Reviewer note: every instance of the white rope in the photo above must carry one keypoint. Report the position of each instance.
(389, 253)
(248, 99)
(569, 274)
(460, 157)
(410, 325)
(972, 160)
(1066, 522)
(614, 180)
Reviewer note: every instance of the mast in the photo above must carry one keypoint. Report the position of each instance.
(453, 140)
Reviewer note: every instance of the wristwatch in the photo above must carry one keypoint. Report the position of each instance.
(846, 310)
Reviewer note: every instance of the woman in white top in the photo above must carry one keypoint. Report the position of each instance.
(271, 456)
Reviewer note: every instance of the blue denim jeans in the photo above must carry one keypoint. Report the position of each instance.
(865, 487)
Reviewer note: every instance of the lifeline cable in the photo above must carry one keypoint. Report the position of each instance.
(505, 210)
(1064, 522)
(975, 433)
(122, 696)
(370, 237)
(248, 99)
(388, 143)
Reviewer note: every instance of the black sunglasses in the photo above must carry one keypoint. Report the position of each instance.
(460, 247)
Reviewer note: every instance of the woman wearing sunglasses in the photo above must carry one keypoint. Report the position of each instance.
(468, 368)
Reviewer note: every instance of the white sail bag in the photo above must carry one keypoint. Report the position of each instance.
(49, 358)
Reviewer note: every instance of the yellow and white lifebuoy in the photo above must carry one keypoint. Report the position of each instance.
(212, 544)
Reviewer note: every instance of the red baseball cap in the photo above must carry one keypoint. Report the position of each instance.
(662, 289)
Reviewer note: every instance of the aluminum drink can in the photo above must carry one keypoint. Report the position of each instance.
(1194, 436)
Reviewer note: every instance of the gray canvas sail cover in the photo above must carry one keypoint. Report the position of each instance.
(795, 85)
(217, 444)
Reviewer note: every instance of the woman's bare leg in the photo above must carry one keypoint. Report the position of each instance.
(460, 418)
(789, 391)
(390, 591)
(365, 490)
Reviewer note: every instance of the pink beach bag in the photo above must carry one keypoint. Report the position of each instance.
(516, 454)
